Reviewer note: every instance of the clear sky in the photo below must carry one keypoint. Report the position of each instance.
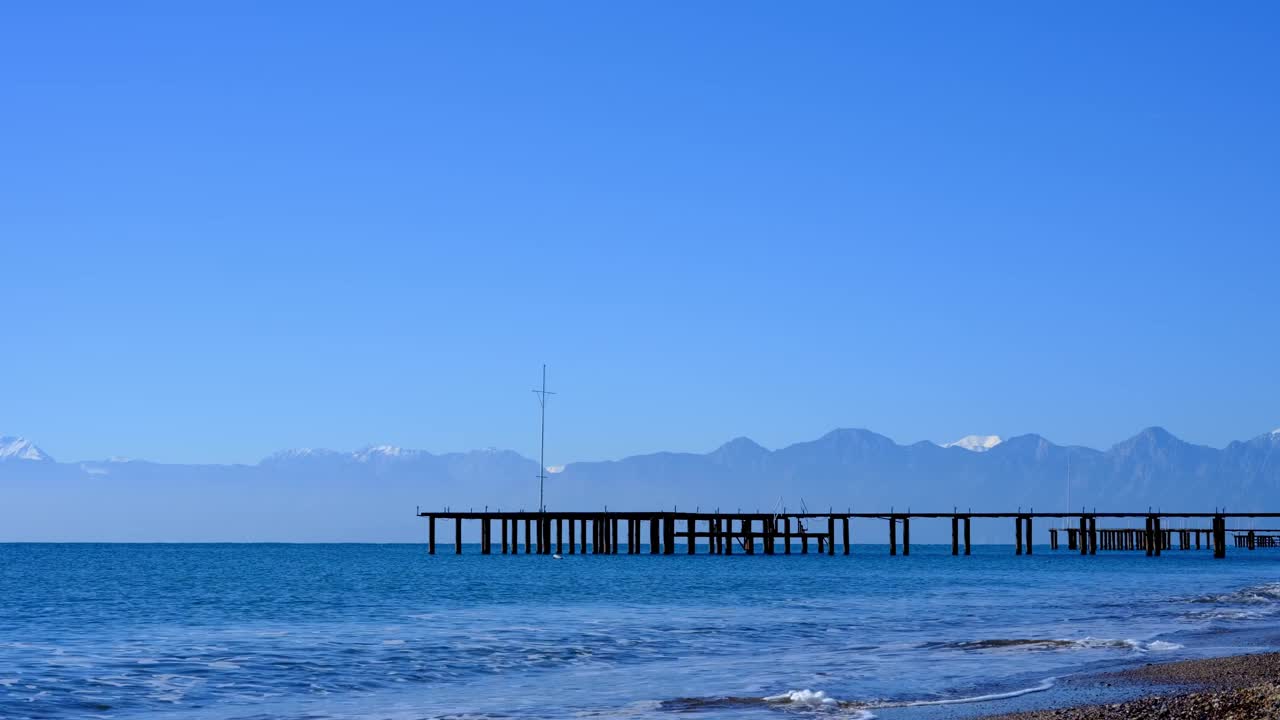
(227, 229)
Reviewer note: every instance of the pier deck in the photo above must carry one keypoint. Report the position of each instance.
(598, 533)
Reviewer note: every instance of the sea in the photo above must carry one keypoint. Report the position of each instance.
(388, 631)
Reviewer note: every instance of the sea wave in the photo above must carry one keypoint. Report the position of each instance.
(1265, 594)
(1088, 643)
(803, 697)
(820, 702)
(803, 700)
(1044, 685)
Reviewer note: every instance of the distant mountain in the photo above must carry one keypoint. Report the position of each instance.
(16, 448)
(370, 494)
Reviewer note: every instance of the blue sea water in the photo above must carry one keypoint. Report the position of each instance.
(388, 631)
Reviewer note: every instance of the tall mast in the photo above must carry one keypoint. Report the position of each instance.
(542, 445)
(1064, 520)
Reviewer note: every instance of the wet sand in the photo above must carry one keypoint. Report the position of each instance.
(1240, 687)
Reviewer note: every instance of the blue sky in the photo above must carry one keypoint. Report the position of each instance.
(227, 229)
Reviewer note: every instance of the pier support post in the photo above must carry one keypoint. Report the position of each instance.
(1148, 537)
(906, 535)
(748, 535)
(504, 535)
(1017, 523)
(1093, 535)
(573, 544)
(668, 535)
(786, 534)
(845, 530)
(457, 536)
(1084, 536)
(967, 544)
(1219, 537)
(613, 539)
(691, 526)
(486, 527)
(893, 535)
(1159, 534)
(831, 535)
(560, 535)
(431, 535)
(1029, 534)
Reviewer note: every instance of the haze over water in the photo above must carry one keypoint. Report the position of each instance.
(387, 631)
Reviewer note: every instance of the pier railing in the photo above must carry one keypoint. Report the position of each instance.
(598, 533)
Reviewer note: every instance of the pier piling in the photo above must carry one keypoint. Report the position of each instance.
(544, 532)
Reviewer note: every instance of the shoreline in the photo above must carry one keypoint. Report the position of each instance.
(1239, 687)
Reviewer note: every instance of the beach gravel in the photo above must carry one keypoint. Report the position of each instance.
(1240, 687)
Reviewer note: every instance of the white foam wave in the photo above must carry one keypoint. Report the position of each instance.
(1128, 644)
(1044, 685)
(1042, 644)
(1229, 615)
(803, 697)
(1264, 594)
(820, 700)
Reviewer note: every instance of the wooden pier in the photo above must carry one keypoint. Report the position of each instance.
(598, 533)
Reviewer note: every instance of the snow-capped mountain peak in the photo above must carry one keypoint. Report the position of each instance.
(16, 448)
(975, 443)
(381, 452)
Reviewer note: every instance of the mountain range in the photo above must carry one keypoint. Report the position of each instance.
(371, 494)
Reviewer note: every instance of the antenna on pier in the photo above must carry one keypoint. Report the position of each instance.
(542, 446)
(1064, 520)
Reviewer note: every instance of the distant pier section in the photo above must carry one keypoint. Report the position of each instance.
(597, 533)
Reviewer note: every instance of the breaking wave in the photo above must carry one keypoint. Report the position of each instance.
(1044, 685)
(1266, 594)
(803, 700)
(1088, 643)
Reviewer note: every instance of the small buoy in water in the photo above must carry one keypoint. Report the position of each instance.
(556, 557)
